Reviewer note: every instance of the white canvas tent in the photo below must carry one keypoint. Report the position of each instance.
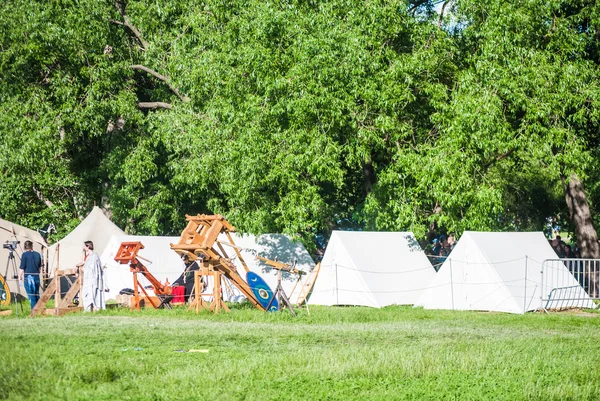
(373, 269)
(494, 271)
(10, 232)
(164, 262)
(275, 247)
(67, 252)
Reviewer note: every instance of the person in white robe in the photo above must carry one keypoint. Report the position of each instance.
(93, 280)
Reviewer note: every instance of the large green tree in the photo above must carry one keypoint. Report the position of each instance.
(65, 94)
(533, 66)
(300, 116)
(298, 106)
(74, 130)
(279, 115)
(518, 135)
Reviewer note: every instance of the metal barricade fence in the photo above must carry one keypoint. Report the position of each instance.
(558, 289)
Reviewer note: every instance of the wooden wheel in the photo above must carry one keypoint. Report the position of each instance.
(4, 292)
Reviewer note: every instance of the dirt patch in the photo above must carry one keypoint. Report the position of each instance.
(577, 312)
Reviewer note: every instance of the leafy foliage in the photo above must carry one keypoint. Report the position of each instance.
(297, 116)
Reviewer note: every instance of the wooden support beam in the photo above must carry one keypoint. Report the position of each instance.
(64, 304)
(281, 266)
(62, 311)
(204, 217)
(217, 299)
(70, 295)
(308, 285)
(237, 252)
(217, 302)
(188, 247)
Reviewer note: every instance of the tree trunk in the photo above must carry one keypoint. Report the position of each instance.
(581, 217)
(41, 197)
(368, 176)
(105, 201)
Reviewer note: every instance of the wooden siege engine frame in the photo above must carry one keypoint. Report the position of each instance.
(62, 304)
(128, 254)
(199, 242)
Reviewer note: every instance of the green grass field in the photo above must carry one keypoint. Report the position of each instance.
(394, 353)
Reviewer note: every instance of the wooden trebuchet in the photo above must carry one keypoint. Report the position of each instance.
(199, 242)
(128, 254)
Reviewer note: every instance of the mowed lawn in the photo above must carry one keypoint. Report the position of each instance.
(395, 353)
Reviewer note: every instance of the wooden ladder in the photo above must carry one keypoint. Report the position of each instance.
(308, 285)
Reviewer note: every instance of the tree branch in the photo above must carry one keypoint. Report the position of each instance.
(154, 105)
(162, 78)
(496, 159)
(114, 21)
(127, 23)
(41, 197)
(440, 20)
(416, 5)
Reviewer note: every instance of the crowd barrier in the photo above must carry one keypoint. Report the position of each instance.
(585, 271)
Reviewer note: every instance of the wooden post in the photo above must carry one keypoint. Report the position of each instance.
(57, 258)
(205, 273)
(198, 289)
(136, 295)
(57, 294)
(308, 285)
(217, 292)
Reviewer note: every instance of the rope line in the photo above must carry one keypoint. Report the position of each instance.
(381, 272)
(548, 267)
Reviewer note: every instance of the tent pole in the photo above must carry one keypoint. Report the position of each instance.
(525, 295)
(451, 285)
(542, 284)
(337, 290)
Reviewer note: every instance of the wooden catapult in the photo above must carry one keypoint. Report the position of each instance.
(128, 254)
(199, 243)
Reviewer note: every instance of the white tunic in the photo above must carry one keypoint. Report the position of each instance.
(93, 284)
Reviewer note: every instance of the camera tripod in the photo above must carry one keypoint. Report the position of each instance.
(5, 295)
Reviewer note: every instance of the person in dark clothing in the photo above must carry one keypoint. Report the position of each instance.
(436, 247)
(451, 241)
(566, 249)
(558, 245)
(29, 273)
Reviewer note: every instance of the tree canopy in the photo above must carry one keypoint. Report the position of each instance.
(301, 116)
